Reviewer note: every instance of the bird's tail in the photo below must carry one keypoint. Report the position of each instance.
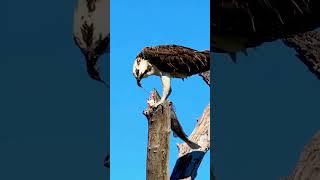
(206, 74)
(206, 54)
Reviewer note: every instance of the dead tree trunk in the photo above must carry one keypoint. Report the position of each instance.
(158, 139)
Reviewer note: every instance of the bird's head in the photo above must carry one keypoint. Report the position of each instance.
(141, 69)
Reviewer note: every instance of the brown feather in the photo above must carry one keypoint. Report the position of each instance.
(177, 59)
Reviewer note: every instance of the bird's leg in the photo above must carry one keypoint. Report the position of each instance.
(166, 89)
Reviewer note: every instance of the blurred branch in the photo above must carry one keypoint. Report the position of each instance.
(158, 139)
(307, 46)
(308, 166)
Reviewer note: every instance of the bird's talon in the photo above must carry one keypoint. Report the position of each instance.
(155, 106)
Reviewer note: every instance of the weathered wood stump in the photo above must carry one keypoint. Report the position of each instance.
(158, 138)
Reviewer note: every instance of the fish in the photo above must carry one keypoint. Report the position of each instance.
(178, 130)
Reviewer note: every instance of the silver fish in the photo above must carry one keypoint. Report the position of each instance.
(178, 130)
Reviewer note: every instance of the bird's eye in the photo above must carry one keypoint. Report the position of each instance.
(138, 61)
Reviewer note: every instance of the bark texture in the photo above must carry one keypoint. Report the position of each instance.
(307, 46)
(158, 139)
(308, 166)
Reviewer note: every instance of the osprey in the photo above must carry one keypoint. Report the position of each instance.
(91, 32)
(169, 61)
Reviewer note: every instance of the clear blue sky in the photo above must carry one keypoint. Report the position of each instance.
(266, 111)
(134, 25)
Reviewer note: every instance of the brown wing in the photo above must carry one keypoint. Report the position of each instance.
(178, 59)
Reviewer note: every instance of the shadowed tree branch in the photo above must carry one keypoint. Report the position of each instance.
(308, 166)
(307, 47)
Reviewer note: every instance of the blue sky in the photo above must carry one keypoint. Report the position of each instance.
(265, 109)
(134, 25)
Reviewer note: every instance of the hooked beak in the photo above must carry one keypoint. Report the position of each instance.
(139, 77)
(138, 82)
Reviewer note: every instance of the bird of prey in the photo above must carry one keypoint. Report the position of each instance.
(91, 32)
(169, 61)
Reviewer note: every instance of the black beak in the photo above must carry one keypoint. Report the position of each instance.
(139, 77)
(138, 82)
